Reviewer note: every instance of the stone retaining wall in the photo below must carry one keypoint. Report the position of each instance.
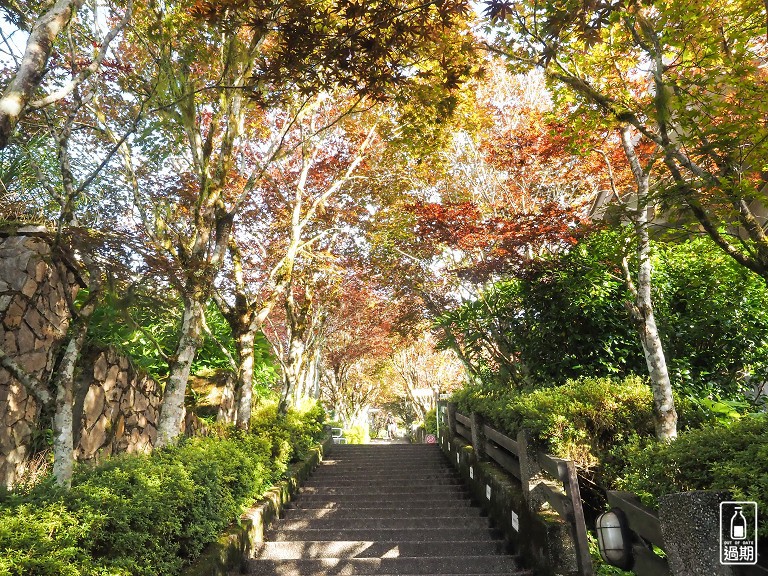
(116, 404)
(34, 317)
(117, 407)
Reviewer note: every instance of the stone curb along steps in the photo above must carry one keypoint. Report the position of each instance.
(383, 509)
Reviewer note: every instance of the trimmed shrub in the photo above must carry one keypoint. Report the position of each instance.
(357, 434)
(430, 422)
(143, 515)
(728, 457)
(292, 434)
(579, 420)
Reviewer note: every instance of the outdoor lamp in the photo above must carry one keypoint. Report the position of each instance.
(613, 538)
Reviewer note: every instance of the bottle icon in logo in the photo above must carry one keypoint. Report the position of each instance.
(738, 525)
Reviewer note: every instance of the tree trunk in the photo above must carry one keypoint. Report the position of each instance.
(293, 370)
(33, 64)
(228, 405)
(245, 378)
(172, 410)
(665, 415)
(63, 419)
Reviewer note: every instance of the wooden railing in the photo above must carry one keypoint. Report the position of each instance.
(521, 460)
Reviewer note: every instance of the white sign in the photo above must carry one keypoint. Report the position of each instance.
(457, 457)
(515, 521)
(738, 533)
(471, 472)
(487, 491)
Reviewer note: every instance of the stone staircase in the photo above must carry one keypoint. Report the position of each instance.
(383, 509)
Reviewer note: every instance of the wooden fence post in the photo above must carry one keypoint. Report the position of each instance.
(478, 435)
(570, 479)
(452, 419)
(527, 458)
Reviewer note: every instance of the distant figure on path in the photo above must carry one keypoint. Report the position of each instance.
(391, 427)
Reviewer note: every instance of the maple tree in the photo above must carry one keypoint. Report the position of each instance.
(380, 49)
(358, 337)
(506, 189)
(685, 77)
(210, 70)
(27, 88)
(425, 372)
(186, 214)
(293, 219)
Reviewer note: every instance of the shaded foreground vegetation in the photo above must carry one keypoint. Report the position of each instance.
(150, 514)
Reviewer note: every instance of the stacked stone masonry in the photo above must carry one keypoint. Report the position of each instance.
(34, 318)
(116, 405)
(118, 410)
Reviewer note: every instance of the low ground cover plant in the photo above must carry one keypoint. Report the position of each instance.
(143, 515)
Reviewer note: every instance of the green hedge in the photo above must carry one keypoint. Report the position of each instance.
(149, 514)
(731, 458)
(606, 426)
(580, 420)
(583, 420)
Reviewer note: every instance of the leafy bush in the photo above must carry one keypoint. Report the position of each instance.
(713, 315)
(357, 434)
(728, 457)
(564, 317)
(148, 515)
(150, 324)
(292, 434)
(579, 420)
(582, 420)
(430, 422)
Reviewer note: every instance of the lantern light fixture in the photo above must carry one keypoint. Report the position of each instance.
(613, 539)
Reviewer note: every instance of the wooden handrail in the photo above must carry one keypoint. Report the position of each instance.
(463, 419)
(641, 520)
(566, 501)
(504, 441)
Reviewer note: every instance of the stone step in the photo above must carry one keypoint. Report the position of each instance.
(297, 522)
(376, 453)
(394, 465)
(424, 505)
(378, 500)
(456, 512)
(378, 449)
(519, 572)
(386, 510)
(324, 481)
(385, 535)
(364, 472)
(393, 472)
(345, 458)
(364, 491)
(381, 448)
(373, 549)
(401, 565)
